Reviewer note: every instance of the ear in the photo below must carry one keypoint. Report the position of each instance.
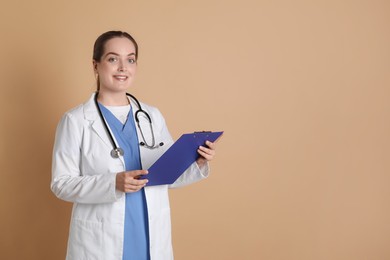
(94, 64)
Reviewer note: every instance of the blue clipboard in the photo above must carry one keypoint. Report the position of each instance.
(168, 168)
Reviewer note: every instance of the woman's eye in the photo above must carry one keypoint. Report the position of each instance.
(131, 61)
(112, 59)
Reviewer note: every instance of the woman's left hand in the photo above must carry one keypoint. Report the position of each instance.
(206, 153)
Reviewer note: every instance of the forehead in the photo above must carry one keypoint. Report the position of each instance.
(120, 45)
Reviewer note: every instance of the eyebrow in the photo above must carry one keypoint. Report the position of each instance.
(116, 54)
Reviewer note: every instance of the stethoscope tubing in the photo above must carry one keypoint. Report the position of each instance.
(117, 151)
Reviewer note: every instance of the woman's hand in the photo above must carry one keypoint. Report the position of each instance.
(206, 153)
(129, 181)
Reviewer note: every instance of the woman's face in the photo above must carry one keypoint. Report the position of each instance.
(117, 66)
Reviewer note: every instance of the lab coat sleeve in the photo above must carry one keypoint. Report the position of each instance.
(68, 183)
(193, 173)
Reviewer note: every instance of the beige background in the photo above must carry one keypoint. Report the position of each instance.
(301, 89)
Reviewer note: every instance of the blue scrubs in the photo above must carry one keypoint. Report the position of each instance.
(136, 233)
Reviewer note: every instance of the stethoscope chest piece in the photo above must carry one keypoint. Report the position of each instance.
(116, 152)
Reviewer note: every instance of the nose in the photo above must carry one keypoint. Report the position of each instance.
(121, 66)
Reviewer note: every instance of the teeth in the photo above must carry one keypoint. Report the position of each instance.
(121, 77)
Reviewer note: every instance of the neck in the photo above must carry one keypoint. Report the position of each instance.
(113, 99)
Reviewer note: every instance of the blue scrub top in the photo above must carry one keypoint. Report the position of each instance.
(136, 233)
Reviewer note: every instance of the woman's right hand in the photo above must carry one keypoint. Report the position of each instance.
(129, 181)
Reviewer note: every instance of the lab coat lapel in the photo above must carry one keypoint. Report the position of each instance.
(91, 114)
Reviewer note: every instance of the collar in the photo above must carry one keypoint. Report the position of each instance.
(90, 110)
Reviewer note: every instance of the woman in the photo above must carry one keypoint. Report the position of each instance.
(114, 215)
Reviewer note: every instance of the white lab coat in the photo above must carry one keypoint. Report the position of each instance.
(83, 172)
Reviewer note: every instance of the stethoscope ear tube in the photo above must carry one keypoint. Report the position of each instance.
(140, 110)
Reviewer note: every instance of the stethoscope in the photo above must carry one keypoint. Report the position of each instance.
(117, 151)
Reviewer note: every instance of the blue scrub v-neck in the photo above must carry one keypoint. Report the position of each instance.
(136, 230)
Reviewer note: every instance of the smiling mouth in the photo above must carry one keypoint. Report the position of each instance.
(121, 77)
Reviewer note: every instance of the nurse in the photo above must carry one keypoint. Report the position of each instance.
(114, 216)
